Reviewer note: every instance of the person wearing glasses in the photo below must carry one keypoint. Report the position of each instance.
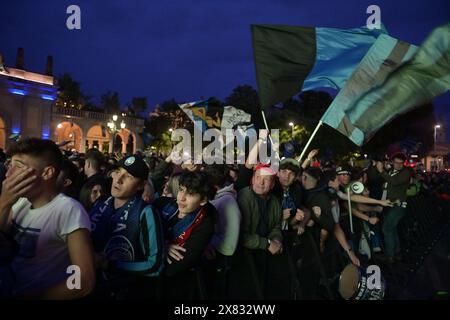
(395, 187)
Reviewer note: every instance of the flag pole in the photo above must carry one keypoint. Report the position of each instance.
(310, 140)
(350, 210)
(268, 133)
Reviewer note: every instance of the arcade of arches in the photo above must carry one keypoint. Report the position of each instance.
(70, 136)
(27, 109)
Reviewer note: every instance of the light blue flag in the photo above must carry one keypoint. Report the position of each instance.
(338, 53)
(386, 55)
(289, 59)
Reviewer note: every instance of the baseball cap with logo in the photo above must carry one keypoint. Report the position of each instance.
(135, 166)
(290, 164)
(344, 169)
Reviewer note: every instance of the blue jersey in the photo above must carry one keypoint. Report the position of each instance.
(130, 236)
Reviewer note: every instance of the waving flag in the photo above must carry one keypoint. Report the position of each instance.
(378, 91)
(386, 55)
(289, 58)
(197, 112)
(232, 117)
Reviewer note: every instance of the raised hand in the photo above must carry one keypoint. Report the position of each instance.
(17, 184)
(313, 153)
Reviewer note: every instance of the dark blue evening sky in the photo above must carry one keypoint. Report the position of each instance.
(183, 49)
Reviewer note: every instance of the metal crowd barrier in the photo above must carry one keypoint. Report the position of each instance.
(419, 230)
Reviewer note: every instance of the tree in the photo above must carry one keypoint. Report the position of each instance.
(89, 105)
(69, 93)
(313, 104)
(139, 104)
(169, 105)
(110, 102)
(292, 105)
(163, 143)
(245, 97)
(157, 123)
(165, 117)
(417, 125)
(305, 114)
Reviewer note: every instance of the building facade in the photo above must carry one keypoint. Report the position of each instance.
(27, 108)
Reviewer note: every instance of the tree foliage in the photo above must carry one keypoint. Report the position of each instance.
(69, 93)
(110, 102)
(138, 105)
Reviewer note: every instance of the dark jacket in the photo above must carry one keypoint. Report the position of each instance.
(319, 198)
(397, 184)
(196, 243)
(158, 175)
(375, 182)
(251, 212)
(102, 180)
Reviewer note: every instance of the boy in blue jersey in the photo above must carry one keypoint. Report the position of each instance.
(127, 237)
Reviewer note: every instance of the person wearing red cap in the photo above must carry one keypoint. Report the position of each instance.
(261, 226)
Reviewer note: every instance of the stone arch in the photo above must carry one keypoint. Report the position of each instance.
(128, 139)
(118, 143)
(130, 143)
(135, 141)
(98, 137)
(69, 136)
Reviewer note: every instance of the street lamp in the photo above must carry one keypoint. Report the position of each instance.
(291, 124)
(72, 140)
(438, 126)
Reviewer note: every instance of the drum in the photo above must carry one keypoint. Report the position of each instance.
(353, 285)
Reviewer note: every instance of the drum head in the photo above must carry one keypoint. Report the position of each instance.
(349, 281)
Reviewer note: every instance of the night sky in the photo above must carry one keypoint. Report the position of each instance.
(183, 49)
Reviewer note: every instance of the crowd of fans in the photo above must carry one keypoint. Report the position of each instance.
(143, 227)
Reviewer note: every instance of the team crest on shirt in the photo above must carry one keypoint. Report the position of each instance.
(119, 248)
